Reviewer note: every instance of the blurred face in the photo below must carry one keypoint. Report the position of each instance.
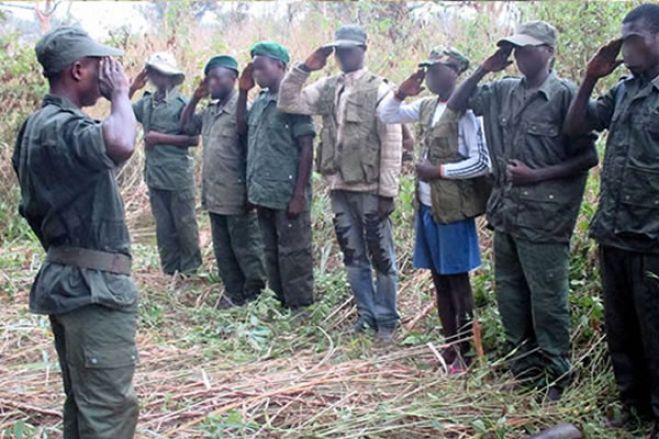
(640, 47)
(267, 71)
(84, 74)
(158, 79)
(350, 58)
(531, 60)
(440, 79)
(221, 82)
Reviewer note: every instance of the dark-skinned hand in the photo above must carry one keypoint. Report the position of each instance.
(605, 60)
(412, 86)
(520, 174)
(426, 171)
(318, 59)
(499, 60)
(386, 207)
(246, 81)
(111, 78)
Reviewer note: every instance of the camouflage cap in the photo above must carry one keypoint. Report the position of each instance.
(226, 61)
(271, 50)
(447, 56)
(532, 33)
(349, 35)
(61, 47)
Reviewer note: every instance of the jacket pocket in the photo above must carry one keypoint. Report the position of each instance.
(638, 211)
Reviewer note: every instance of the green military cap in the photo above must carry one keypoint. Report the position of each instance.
(447, 56)
(271, 50)
(349, 35)
(165, 63)
(64, 45)
(226, 61)
(532, 33)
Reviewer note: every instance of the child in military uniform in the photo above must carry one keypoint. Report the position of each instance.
(169, 168)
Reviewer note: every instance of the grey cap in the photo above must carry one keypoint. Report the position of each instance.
(61, 47)
(532, 33)
(349, 35)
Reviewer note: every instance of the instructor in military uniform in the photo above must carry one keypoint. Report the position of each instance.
(64, 161)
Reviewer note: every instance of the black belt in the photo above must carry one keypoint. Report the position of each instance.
(92, 259)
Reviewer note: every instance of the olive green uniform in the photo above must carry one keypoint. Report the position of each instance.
(236, 235)
(626, 225)
(272, 168)
(70, 198)
(532, 223)
(169, 174)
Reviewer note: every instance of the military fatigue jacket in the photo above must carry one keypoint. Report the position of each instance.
(628, 213)
(224, 158)
(273, 153)
(167, 167)
(527, 126)
(69, 197)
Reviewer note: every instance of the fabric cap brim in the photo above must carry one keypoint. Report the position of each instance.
(95, 49)
(346, 43)
(521, 40)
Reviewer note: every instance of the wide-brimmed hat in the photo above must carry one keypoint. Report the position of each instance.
(165, 63)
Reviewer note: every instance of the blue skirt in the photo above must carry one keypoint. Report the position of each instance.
(445, 248)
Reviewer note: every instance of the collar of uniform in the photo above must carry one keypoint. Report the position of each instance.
(655, 82)
(228, 105)
(352, 77)
(60, 101)
(548, 87)
(266, 95)
(169, 96)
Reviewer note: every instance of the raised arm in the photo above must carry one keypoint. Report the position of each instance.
(120, 126)
(294, 97)
(189, 120)
(604, 62)
(496, 62)
(245, 84)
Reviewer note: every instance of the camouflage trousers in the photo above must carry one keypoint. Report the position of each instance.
(97, 356)
(176, 230)
(239, 253)
(532, 294)
(288, 256)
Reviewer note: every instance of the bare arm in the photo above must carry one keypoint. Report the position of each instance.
(245, 84)
(602, 64)
(187, 115)
(522, 175)
(498, 61)
(153, 138)
(120, 126)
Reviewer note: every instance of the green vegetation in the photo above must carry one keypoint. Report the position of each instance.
(260, 371)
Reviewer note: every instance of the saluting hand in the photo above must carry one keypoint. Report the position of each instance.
(318, 59)
(201, 91)
(604, 62)
(520, 174)
(246, 81)
(499, 60)
(139, 82)
(412, 85)
(111, 78)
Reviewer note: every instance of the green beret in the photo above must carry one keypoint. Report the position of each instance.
(61, 47)
(271, 50)
(226, 61)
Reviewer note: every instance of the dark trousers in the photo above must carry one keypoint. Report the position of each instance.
(97, 356)
(630, 283)
(239, 253)
(176, 230)
(288, 255)
(455, 305)
(532, 294)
